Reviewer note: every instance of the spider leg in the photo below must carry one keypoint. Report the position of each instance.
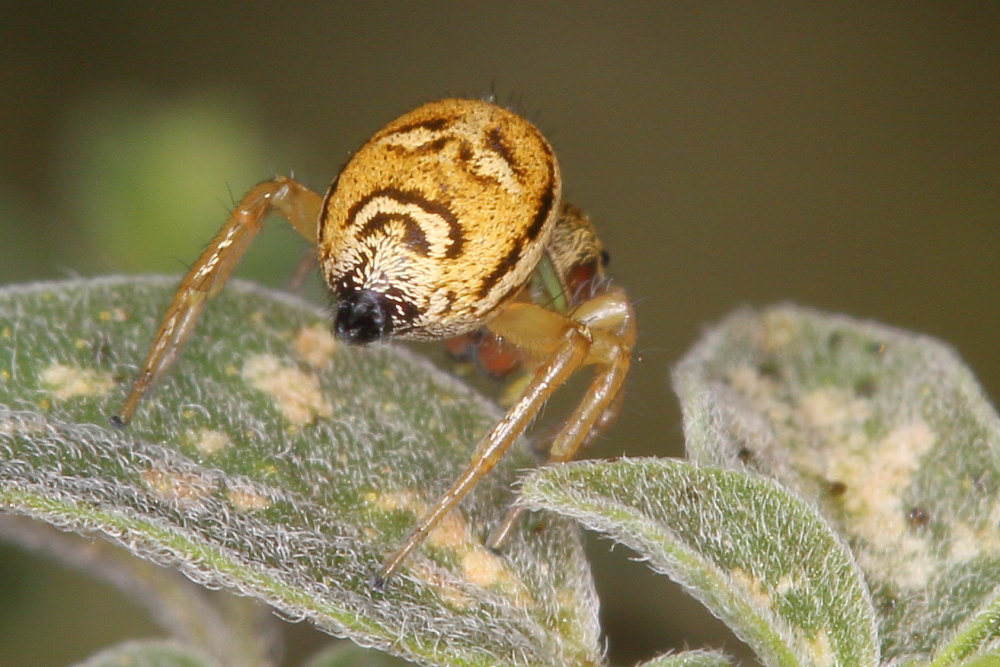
(568, 344)
(611, 314)
(308, 262)
(570, 347)
(206, 277)
(612, 324)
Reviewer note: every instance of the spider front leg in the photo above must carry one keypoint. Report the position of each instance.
(298, 204)
(600, 332)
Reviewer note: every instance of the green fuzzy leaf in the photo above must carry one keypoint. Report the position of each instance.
(978, 635)
(344, 654)
(148, 653)
(689, 659)
(991, 659)
(760, 559)
(266, 464)
(890, 435)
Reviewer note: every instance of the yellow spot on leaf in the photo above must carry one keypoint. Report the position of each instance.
(450, 593)
(760, 389)
(115, 314)
(877, 476)
(786, 584)
(209, 441)
(248, 500)
(315, 345)
(968, 543)
(184, 488)
(820, 649)
(479, 566)
(753, 585)
(832, 407)
(71, 382)
(296, 393)
(451, 532)
(780, 329)
(483, 568)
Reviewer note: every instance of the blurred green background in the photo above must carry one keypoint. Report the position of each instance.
(845, 157)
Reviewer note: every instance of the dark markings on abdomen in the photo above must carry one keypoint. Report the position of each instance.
(500, 270)
(545, 204)
(429, 206)
(495, 142)
(431, 124)
(414, 236)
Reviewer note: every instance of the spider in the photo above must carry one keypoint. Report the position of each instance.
(446, 225)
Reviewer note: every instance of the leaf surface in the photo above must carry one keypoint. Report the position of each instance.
(147, 653)
(890, 435)
(274, 464)
(760, 559)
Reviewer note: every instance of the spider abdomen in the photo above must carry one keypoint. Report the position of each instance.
(444, 214)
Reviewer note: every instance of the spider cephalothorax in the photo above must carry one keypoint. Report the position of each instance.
(447, 224)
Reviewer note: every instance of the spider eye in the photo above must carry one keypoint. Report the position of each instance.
(362, 317)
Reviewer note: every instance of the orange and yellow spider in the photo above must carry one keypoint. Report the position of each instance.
(447, 224)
